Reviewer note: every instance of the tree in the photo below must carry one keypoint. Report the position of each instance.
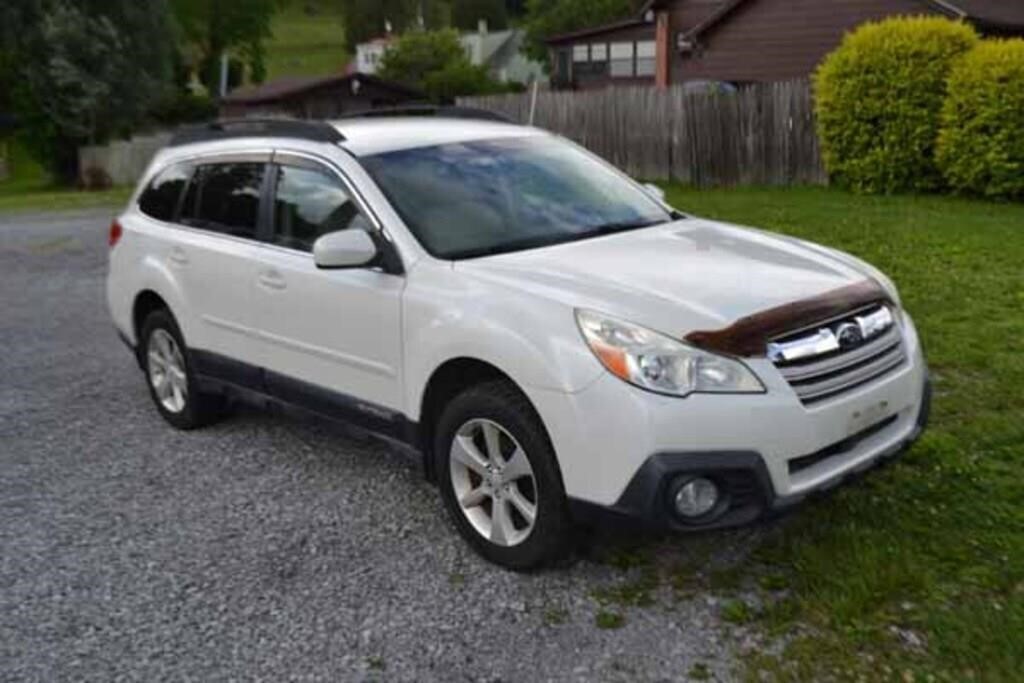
(515, 8)
(366, 19)
(466, 14)
(545, 18)
(84, 71)
(217, 26)
(436, 63)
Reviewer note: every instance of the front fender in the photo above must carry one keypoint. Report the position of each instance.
(533, 340)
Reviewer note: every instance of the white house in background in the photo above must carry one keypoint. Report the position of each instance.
(369, 54)
(499, 51)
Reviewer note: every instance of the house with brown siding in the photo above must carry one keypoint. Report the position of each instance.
(742, 41)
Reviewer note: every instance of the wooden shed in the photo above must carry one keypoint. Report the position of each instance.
(317, 97)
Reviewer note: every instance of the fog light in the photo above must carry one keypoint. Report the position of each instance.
(696, 497)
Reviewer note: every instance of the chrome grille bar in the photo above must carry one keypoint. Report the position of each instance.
(822, 363)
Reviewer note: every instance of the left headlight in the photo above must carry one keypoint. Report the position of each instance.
(658, 363)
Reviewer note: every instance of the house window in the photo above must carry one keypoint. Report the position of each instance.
(621, 63)
(645, 58)
(599, 59)
(580, 53)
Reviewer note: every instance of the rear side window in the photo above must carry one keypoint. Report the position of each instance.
(310, 203)
(160, 199)
(225, 198)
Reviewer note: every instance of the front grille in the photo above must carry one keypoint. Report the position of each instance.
(819, 367)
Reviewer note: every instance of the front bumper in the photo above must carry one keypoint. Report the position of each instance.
(617, 445)
(743, 478)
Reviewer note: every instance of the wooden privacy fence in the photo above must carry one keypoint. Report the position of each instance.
(761, 135)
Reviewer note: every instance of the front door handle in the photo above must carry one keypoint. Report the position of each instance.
(178, 256)
(271, 279)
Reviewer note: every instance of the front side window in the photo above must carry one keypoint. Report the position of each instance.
(225, 198)
(160, 199)
(492, 196)
(310, 203)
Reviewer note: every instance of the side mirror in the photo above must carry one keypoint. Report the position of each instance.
(655, 191)
(352, 248)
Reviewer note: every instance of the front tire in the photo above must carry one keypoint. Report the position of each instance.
(172, 384)
(499, 478)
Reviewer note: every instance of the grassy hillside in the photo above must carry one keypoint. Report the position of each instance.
(308, 40)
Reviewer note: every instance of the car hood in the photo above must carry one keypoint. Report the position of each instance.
(682, 276)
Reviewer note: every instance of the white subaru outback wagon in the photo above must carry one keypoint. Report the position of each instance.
(555, 340)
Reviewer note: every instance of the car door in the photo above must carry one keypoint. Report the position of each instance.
(217, 255)
(332, 338)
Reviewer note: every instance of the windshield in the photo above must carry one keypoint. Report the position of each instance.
(494, 196)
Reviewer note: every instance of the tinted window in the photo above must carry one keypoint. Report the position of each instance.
(310, 203)
(160, 199)
(225, 198)
(491, 196)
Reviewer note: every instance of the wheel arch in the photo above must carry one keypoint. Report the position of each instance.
(448, 380)
(145, 303)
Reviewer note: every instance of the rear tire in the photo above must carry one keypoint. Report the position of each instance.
(499, 478)
(168, 368)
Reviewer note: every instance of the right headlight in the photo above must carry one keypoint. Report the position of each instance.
(658, 363)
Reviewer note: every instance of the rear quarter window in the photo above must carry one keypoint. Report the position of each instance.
(160, 198)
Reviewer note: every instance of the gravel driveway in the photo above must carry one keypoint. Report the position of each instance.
(273, 548)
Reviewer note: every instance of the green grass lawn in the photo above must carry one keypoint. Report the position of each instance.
(932, 547)
(29, 188)
(308, 40)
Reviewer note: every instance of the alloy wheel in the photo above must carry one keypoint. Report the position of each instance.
(167, 371)
(493, 482)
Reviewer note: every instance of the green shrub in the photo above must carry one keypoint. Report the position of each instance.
(878, 100)
(981, 142)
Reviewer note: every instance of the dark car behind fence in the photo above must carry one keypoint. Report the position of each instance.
(761, 134)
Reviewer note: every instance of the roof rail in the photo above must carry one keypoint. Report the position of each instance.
(440, 111)
(224, 129)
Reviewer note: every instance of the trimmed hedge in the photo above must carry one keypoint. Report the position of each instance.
(878, 98)
(981, 142)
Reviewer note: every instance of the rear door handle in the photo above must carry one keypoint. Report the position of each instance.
(271, 279)
(178, 256)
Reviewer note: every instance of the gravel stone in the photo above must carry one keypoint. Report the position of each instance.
(263, 547)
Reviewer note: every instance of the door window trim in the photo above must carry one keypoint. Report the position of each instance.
(194, 161)
(225, 159)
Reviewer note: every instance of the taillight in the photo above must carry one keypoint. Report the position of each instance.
(115, 233)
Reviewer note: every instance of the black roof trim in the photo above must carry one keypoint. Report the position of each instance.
(226, 129)
(597, 30)
(444, 112)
